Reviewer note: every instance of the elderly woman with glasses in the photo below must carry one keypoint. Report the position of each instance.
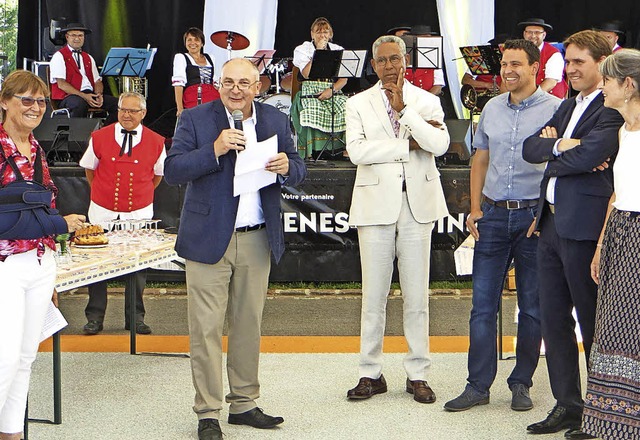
(192, 78)
(27, 266)
(318, 110)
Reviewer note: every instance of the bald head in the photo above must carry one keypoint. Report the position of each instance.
(242, 63)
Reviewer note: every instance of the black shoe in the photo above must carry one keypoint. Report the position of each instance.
(141, 329)
(209, 429)
(577, 434)
(92, 328)
(256, 418)
(559, 418)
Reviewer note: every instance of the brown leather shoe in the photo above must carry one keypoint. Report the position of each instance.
(367, 387)
(421, 391)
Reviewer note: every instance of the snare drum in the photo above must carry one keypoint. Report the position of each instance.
(281, 101)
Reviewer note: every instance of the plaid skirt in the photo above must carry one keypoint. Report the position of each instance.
(612, 403)
(317, 114)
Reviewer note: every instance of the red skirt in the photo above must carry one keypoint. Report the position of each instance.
(190, 95)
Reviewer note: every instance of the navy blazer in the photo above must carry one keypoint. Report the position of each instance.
(209, 211)
(581, 194)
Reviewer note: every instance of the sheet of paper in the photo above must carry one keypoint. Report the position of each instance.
(53, 322)
(153, 54)
(463, 256)
(250, 174)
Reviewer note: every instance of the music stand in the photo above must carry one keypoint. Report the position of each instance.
(262, 59)
(424, 52)
(127, 61)
(482, 60)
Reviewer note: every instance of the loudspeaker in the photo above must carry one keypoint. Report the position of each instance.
(459, 151)
(51, 133)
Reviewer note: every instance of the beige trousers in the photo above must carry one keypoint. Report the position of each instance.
(237, 284)
(409, 242)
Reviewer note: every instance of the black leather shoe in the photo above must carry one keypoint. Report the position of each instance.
(92, 328)
(209, 429)
(256, 418)
(559, 418)
(367, 387)
(577, 434)
(141, 328)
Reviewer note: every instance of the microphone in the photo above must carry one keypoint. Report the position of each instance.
(237, 119)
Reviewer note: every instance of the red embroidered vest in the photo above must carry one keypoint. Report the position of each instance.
(124, 183)
(74, 77)
(560, 90)
(422, 78)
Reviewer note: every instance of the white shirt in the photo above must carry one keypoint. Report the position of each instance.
(626, 179)
(554, 67)
(303, 54)
(97, 213)
(250, 205)
(582, 102)
(58, 69)
(179, 77)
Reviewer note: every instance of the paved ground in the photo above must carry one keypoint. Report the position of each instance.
(326, 314)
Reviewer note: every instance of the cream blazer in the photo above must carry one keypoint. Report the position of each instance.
(383, 159)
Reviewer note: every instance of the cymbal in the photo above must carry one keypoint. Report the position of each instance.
(222, 38)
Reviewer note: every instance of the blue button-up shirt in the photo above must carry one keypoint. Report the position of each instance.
(502, 129)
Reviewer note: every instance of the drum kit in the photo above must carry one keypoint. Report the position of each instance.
(276, 80)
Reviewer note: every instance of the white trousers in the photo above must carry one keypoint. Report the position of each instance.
(27, 286)
(410, 242)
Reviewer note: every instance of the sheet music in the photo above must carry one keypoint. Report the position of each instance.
(53, 322)
(153, 54)
(352, 63)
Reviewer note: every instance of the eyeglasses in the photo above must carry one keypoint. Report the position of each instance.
(76, 35)
(395, 60)
(129, 111)
(533, 32)
(242, 85)
(28, 101)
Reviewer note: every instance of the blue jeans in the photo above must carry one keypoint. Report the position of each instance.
(503, 238)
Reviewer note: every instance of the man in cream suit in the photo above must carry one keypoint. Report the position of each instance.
(394, 132)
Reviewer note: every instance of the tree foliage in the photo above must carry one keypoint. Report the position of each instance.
(8, 34)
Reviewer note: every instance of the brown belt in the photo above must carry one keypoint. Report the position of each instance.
(512, 204)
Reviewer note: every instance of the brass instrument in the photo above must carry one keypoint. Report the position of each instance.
(134, 84)
(475, 100)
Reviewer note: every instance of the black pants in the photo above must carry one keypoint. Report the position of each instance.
(565, 282)
(97, 304)
(78, 107)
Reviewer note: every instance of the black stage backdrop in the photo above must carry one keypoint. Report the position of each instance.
(356, 24)
(569, 16)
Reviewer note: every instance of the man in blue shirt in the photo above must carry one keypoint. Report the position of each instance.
(504, 198)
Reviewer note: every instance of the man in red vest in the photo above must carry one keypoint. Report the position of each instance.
(124, 163)
(551, 74)
(74, 78)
